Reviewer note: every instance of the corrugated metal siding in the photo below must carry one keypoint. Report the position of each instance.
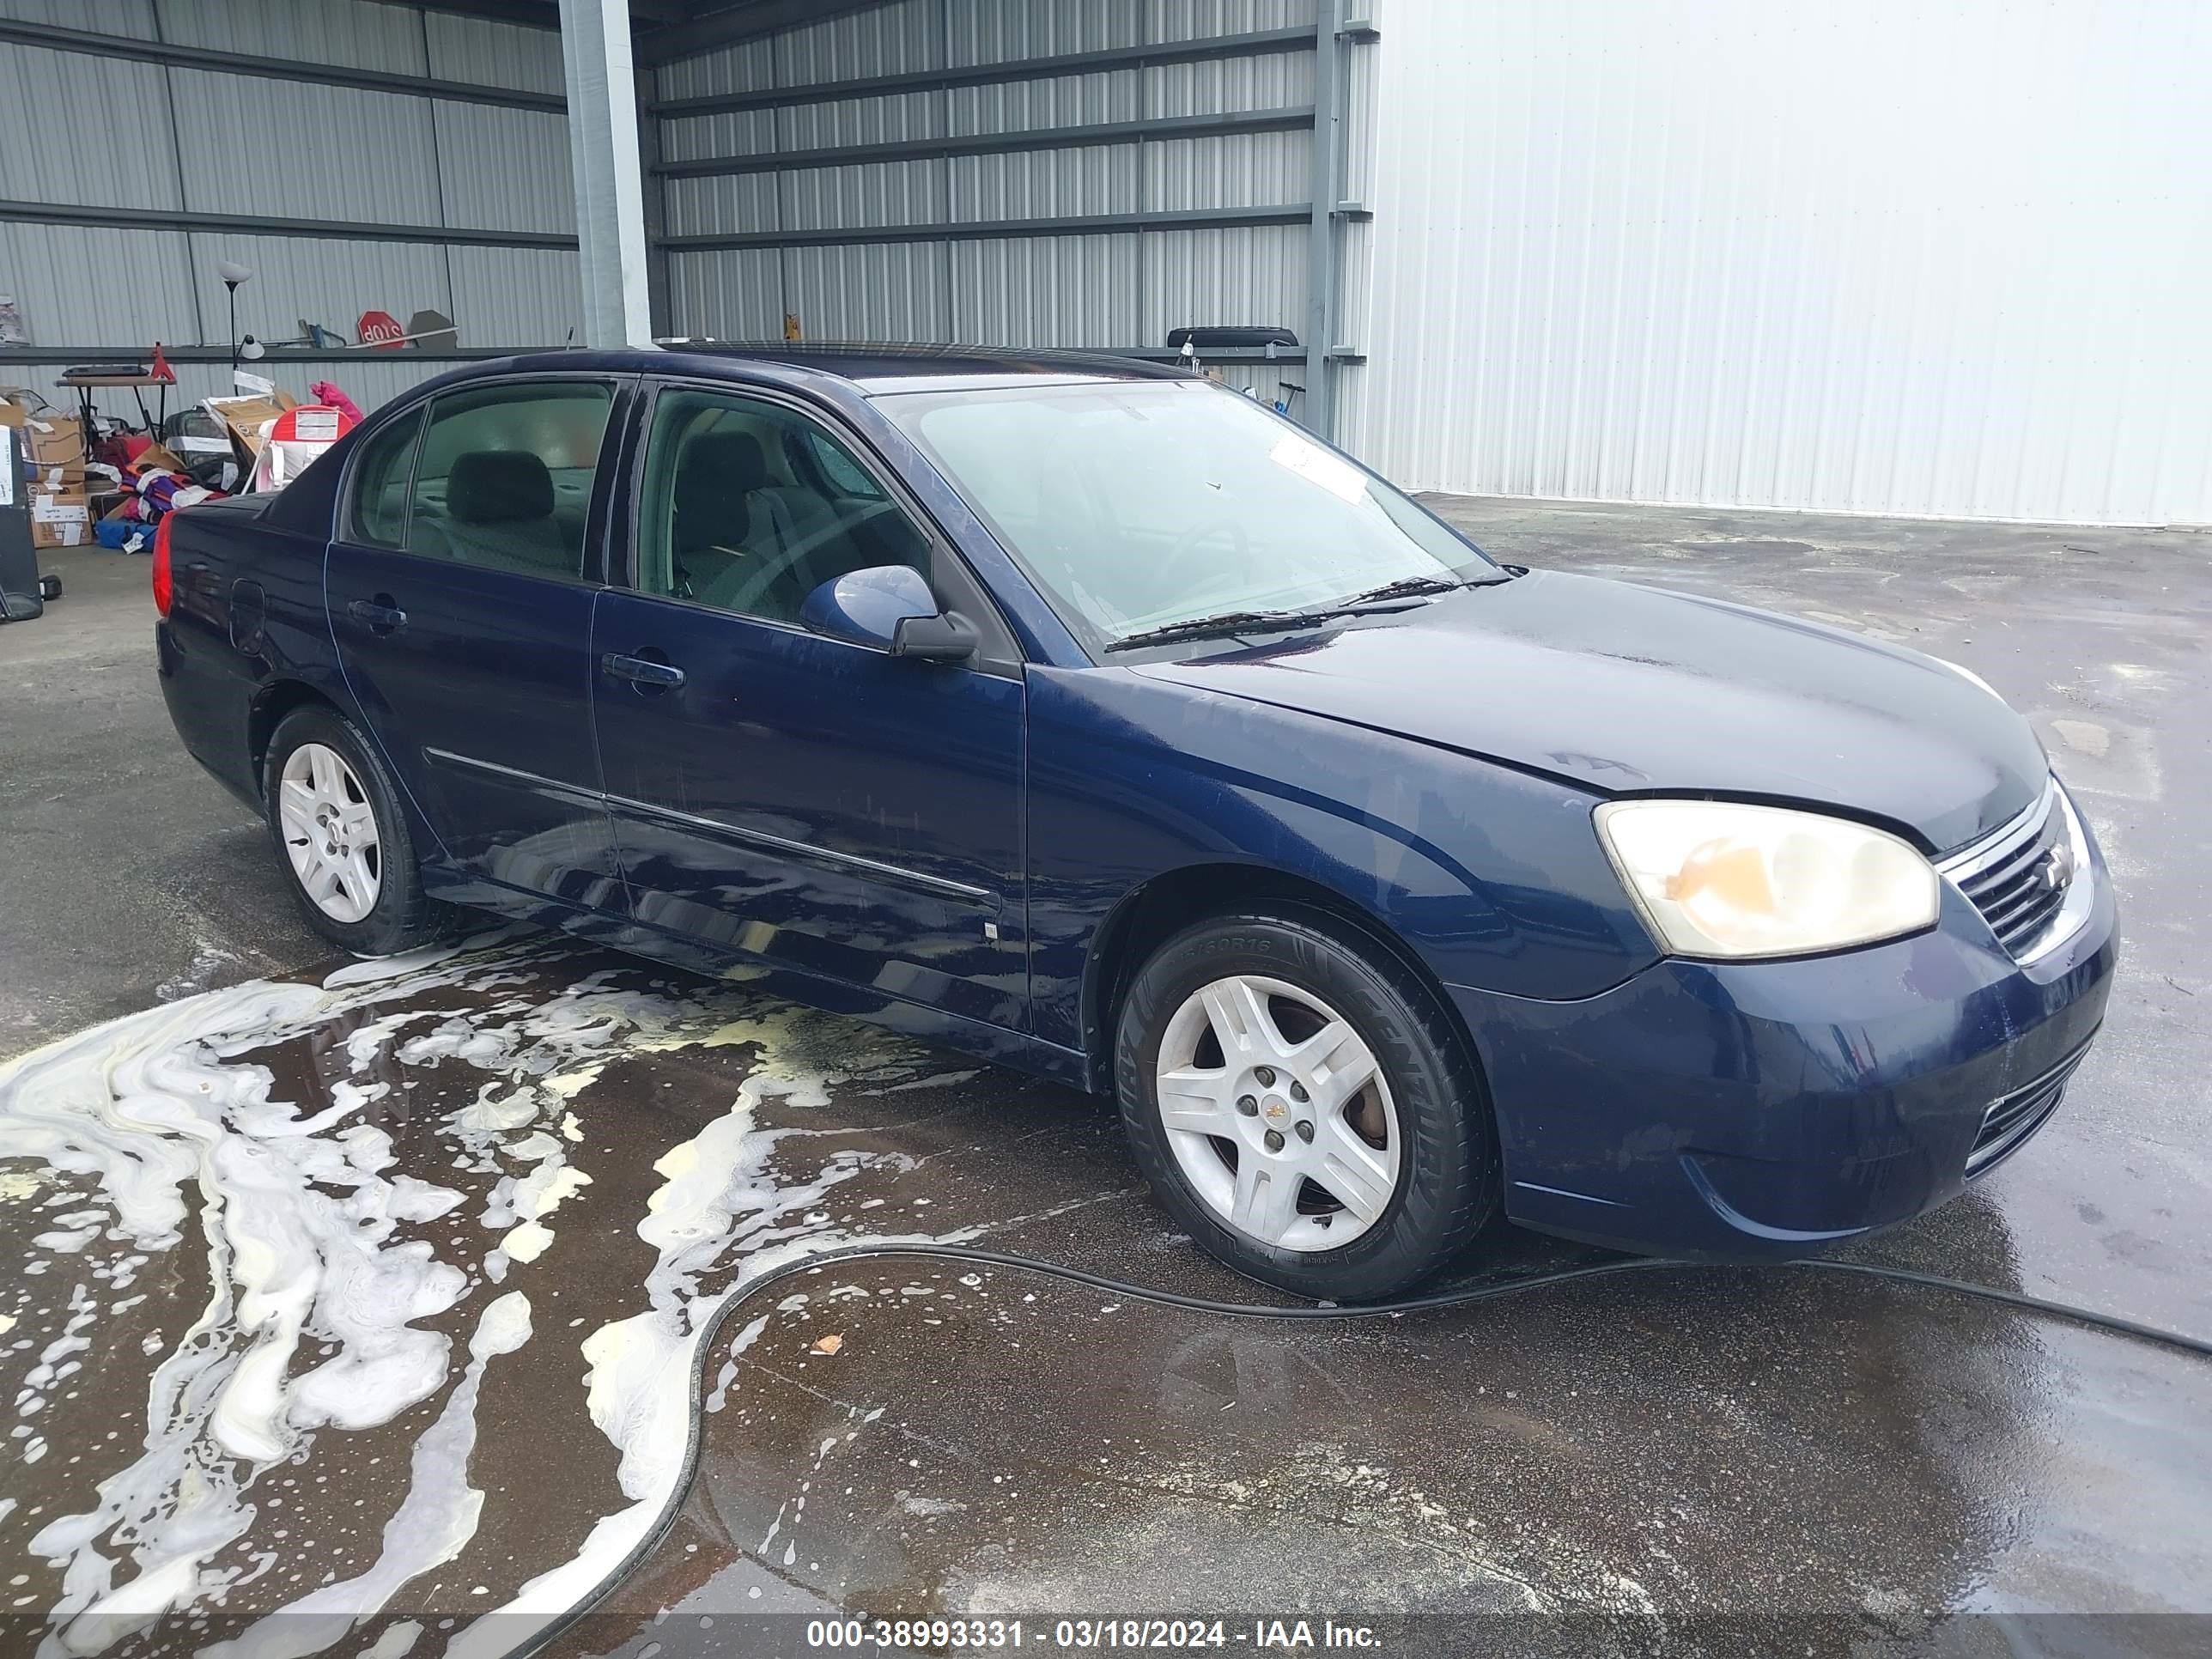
(503, 169)
(276, 147)
(82, 287)
(327, 282)
(97, 132)
(349, 32)
(1886, 257)
(131, 18)
(482, 53)
(511, 296)
(1118, 289)
(126, 161)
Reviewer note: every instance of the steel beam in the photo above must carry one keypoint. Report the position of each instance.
(338, 230)
(1323, 240)
(1026, 139)
(603, 147)
(1206, 48)
(992, 230)
(85, 42)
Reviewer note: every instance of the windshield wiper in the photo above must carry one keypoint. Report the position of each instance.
(1383, 600)
(1416, 587)
(1229, 622)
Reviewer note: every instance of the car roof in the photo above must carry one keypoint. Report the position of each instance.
(867, 368)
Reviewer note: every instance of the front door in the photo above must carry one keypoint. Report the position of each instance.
(460, 591)
(784, 797)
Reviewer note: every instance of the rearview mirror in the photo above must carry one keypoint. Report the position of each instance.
(890, 607)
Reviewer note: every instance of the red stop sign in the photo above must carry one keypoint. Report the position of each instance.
(382, 330)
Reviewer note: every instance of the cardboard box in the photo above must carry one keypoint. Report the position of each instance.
(56, 444)
(246, 416)
(60, 518)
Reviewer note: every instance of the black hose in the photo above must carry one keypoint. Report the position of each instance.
(2201, 1346)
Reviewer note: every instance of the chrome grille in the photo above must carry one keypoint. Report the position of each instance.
(2012, 1118)
(2019, 877)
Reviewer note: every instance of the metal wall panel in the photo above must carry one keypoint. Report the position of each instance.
(996, 30)
(1032, 291)
(728, 203)
(893, 291)
(1191, 20)
(350, 32)
(131, 18)
(733, 295)
(482, 53)
(1229, 84)
(1048, 291)
(503, 169)
(1047, 184)
(311, 152)
(738, 133)
(1888, 257)
(78, 286)
(1244, 274)
(1062, 100)
(1244, 169)
(522, 297)
(124, 159)
(746, 67)
(327, 282)
(863, 197)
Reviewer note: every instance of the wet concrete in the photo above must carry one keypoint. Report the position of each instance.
(536, 1175)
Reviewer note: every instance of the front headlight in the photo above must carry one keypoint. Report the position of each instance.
(1715, 878)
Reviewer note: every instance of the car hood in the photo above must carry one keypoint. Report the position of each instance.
(1630, 690)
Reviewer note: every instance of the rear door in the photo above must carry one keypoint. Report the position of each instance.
(799, 799)
(460, 591)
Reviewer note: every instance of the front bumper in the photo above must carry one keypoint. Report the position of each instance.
(1759, 1111)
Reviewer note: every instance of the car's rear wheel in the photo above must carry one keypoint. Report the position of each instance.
(1299, 1103)
(334, 814)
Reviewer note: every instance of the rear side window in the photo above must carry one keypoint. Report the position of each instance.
(504, 478)
(380, 481)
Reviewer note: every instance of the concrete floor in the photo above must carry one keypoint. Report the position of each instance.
(382, 1291)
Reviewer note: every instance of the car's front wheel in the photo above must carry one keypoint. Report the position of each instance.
(334, 814)
(1300, 1104)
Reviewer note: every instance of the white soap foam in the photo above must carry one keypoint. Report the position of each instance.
(300, 1215)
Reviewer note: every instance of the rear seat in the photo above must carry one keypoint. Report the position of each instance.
(499, 513)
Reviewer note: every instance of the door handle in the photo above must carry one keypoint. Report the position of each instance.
(641, 672)
(380, 614)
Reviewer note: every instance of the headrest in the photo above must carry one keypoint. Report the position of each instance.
(498, 486)
(721, 464)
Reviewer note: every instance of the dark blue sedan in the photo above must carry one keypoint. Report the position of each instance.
(1090, 718)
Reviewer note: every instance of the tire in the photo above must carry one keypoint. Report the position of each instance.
(387, 913)
(1429, 1139)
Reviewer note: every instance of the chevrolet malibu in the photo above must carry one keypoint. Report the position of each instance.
(1092, 718)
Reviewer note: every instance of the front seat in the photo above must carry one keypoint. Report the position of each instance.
(499, 513)
(730, 533)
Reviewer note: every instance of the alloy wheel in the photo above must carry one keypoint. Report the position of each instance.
(330, 832)
(1278, 1113)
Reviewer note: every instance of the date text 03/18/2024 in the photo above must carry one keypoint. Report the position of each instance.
(1093, 1634)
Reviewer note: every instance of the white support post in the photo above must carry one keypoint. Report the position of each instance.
(595, 55)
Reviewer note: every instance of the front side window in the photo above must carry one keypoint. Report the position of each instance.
(1138, 504)
(504, 478)
(380, 481)
(749, 507)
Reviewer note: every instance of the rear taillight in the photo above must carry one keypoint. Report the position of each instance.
(164, 589)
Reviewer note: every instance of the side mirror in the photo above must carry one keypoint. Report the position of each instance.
(890, 607)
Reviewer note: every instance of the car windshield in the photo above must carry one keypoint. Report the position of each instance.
(1138, 505)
